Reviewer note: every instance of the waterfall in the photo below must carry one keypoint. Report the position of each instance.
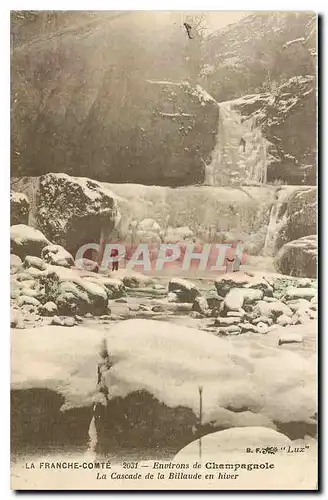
(277, 219)
(240, 155)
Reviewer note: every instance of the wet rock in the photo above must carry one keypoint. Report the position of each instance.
(78, 318)
(300, 293)
(184, 290)
(272, 309)
(234, 299)
(49, 309)
(298, 258)
(284, 320)
(56, 255)
(121, 301)
(19, 208)
(25, 240)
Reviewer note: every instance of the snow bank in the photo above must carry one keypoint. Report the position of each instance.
(171, 362)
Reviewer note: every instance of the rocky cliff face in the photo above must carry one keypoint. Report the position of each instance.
(108, 93)
(265, 67)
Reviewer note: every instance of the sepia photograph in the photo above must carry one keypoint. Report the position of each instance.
(163, 250)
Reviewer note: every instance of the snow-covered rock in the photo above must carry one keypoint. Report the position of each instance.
(15, 261)
(19, 208)
(300, 293)
(272, 309)
(73, 211)
(57, 256)
(185, 290)
(49, 309)
(299, 218)
(234, 300)
(25, 240)
(299, 257)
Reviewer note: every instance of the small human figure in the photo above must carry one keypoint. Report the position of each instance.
(243, 144)
(114, 256)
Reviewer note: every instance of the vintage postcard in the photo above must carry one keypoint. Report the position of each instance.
(163, 250)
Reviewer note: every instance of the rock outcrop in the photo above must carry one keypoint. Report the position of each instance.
(298, 257)
(270, 81)
(19, 208)
(73, 211)
(300, 216)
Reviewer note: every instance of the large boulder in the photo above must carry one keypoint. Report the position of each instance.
(298, 257)
(73, 211)
(75, 293)
(300, 217)
(19, 208)
(25, 240)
